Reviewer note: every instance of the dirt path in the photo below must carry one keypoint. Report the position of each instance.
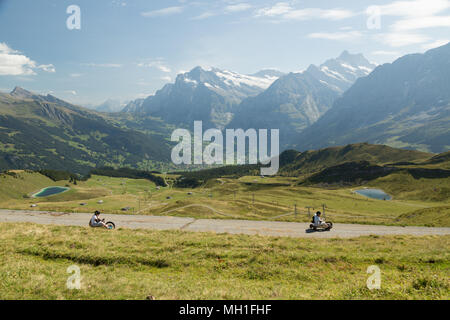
(200, 206)
(266, 228)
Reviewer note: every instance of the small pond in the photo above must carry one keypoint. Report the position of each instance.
(374, 194)
(50, 191)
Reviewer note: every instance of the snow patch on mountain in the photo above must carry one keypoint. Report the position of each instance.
(236, 79)
(333, 74)
(194, 82)
(340, 73)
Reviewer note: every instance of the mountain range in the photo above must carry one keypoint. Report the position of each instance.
(208, 95)
(296, 100)
(403, 104)
(345, 100)
(266, 99)
(110, 106)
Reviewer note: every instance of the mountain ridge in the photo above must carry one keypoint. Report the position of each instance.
(39, 132)
(207, 95)
(405, 103)
(297, 100)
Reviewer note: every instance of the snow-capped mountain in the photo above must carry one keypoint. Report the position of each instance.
(268, 73)
(405, 103)
(265, 99)
(209, 95)
(228, 83)
(339, 74)
(297, 100)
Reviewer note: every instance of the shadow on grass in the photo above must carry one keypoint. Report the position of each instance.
(94, 260)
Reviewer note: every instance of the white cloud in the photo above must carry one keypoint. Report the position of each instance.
(102, 65)
(228, 9)
(119, 3)
(417, 14)
(75, 75)
(435, 44)
(4, 48)
(278, 9)
(386, 53)
(164, 68)
(47, 68)
(349, 35)
(13, 63)
(283, 10)
(204, 15)
(415, 8)
(168, 79)
(314, 13)
(422, 23)
(143, 95)
(414, 15)
(163, 12)
(237, 7)
(397, 39)
(158, 64)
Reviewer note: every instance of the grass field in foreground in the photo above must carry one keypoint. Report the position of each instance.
(127, 264)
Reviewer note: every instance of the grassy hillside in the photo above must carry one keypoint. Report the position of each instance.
(19, 184)
(42, 132)
(83, 197)
(313, 161)
(442, 160)
(295, 163)
(238, 192)
(404, 185)
(133, 264)
(248, 197)
(431, 217)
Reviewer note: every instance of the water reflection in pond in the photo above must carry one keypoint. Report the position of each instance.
(374, 194)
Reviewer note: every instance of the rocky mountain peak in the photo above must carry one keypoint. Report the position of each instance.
(357, 59)
(341, 72)
(19, 92)
(267, 73)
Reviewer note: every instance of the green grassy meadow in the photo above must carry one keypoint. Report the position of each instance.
(134, 264)
(249, 197)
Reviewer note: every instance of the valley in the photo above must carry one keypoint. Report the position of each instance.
(320, 107)
(417, 190)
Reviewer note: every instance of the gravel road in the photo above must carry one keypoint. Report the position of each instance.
(266, 228)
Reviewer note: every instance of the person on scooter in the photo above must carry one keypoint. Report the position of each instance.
(318, 222)
(96, 222)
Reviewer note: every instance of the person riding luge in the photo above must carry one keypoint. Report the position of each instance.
(318, 222)
(96, 222)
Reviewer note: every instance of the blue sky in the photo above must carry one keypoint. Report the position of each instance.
(127, 49)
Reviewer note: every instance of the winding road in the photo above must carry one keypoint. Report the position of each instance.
(265, 228)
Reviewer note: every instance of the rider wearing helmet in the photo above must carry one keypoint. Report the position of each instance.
(96, 222)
